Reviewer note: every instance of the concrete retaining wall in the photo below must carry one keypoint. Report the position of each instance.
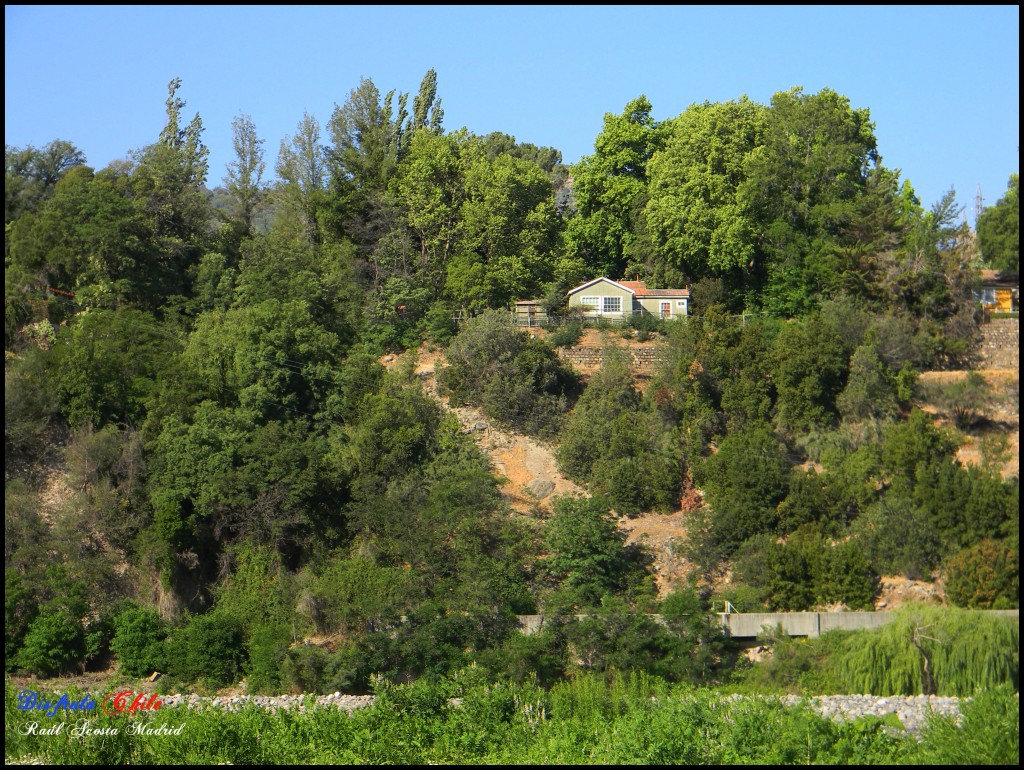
(748, 625)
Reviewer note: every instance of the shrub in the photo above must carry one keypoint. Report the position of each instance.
(988, 732)
(303, 667)
(138, 641)
(55, 640)
(566, 335)
(517, 380)
(985, 576)
(207, 650)
(267, 648)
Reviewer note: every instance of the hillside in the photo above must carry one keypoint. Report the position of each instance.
(523, 462)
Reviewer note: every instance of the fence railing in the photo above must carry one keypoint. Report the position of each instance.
(590, 320)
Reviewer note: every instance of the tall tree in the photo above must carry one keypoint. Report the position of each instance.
(367, 136)
(245, 174)
(426, 106)
(609, 185)
(431, 187)
(699, 212)
(31, 174)
(999, 229)
(302, 169)
(818, 154)
(169, 183)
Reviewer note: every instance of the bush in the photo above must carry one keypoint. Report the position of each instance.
(303, 667)
(986, 576)
(54, 642)
(267, 647)
(987, 733)
(567, 335)
(207, 650)
(517, 380)
(805, 571)
(138, 641)
(645, 325)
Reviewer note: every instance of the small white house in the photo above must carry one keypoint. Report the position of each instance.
(619, 299)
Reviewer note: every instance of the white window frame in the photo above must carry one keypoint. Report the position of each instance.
(605, 309)
(681, 303)
(590, 304)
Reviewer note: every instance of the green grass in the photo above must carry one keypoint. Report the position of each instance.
(466, 719)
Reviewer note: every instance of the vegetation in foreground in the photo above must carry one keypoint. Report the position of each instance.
(466, 719)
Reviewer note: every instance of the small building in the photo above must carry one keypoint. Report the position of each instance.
(605, 298)
(1000, 291)
(530, 312)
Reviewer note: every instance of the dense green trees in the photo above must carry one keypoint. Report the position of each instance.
(244, 474)
(999, 229)
(517, 380)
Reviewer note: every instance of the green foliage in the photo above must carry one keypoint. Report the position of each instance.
(811, 499)
(744, 482)
(873, 391)
(566, 335)
(56, 641)
(999, 229)
(964, 400)
(138, 641)
(898, 538)
(267, 648)
(587, 556)
(807, 570)
(609, 187)
(698, 211)
(913, 443)
(30, 404)
(588, 721)
(795, 665)
(107, 365)
(987, 732)
(207, 650)
(933, 650)
(615, 443)
(810, 370)
(517, 380)
(985, 576)
(354, 595)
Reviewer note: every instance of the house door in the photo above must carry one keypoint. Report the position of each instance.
(666, 309)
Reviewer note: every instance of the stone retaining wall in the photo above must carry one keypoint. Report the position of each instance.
(587, 356)
(1000, 346)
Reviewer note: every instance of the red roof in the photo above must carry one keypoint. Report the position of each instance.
(641, 290)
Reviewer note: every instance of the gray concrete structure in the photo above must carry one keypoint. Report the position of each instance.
(749, 625)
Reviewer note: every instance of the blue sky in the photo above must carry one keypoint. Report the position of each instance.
(942, 83)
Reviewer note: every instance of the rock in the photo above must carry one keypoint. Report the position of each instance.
(540, 488)
(480, 426)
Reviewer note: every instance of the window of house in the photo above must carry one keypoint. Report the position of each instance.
(612, 305)
(680, 303)
(590, 302)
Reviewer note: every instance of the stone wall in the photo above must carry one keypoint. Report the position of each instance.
(641, 358)
(1000, 346)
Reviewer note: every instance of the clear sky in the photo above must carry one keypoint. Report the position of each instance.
(942, 83)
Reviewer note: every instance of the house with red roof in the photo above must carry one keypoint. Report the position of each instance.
(605, 298)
